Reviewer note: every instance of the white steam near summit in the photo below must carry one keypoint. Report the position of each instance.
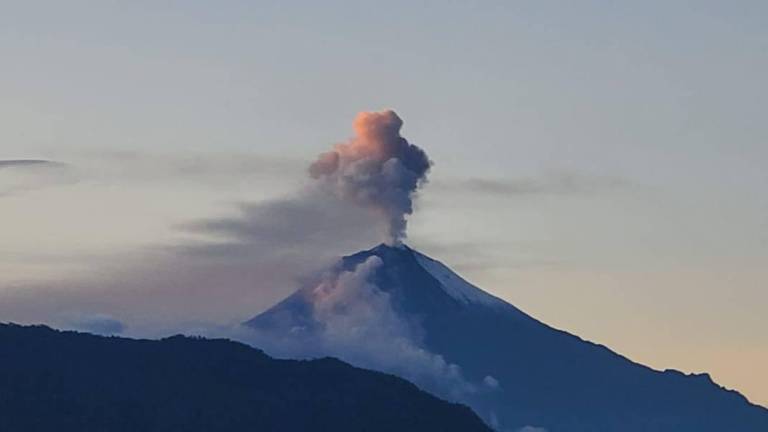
(377, 169)
(360, 325)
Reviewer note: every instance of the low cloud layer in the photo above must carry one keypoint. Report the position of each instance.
(96, 323)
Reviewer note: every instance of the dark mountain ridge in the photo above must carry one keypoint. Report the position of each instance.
(67, 381)
(546, 377)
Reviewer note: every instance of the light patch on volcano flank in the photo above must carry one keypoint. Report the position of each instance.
(353, 319)
(360, 325)
(455, 286)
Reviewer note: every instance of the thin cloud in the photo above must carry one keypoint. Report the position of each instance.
(562, 183)
(222, 169)
(24, 175)
(204, 167)
(22, 163)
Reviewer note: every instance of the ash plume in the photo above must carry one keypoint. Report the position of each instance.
(377, 169)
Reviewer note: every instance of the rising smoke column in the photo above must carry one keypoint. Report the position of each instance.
(377, 169)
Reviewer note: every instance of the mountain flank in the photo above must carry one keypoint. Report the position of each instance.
(540, 376)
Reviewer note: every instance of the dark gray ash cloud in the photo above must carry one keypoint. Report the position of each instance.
(307, 222)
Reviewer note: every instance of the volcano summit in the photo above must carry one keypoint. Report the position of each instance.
(394, 309)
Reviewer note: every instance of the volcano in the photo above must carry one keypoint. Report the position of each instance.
(520, 371)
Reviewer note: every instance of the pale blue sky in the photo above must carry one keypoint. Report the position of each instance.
(599, 164)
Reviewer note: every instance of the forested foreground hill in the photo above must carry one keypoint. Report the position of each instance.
(66, 381)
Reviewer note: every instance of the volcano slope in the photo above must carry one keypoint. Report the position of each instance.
(536, 375)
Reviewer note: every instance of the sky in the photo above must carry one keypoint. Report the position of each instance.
(600, 165)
